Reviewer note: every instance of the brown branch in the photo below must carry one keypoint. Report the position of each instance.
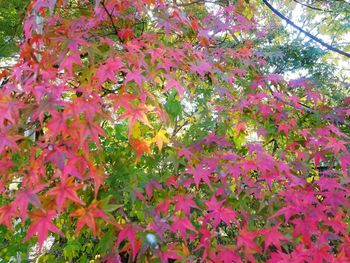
(194, 2)
(322, 43)
(178, 128)
(111, 19)
(109, 91)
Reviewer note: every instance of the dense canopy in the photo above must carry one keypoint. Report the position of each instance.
(175, 131)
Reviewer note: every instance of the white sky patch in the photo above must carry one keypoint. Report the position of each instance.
(342, 63)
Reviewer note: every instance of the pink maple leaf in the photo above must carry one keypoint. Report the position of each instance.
(274, 78)
(108, 70)
(43, 4)
(184, 203)
(272, 237)
(135, 76)
(7, 141)
(7, 212)
(219, 140)
(284, 127)
(169, 253)
(200, 173)
(24, 197)
(336, 145)
(303, 229)
(135, 113)
(152, 184)
(9, 109)
(218, 212)
(172, 83)
(345, 163)
(41, 225)
(129, 233)
(265, 110)
(246, 239)
(155, 54)
(164, 206)
(181, 225)
(56, 124)
(318, 157)
(201, 68)
(68, 62)
(227, 255)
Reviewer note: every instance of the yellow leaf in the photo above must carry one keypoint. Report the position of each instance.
(160, 139)
(248, 12)
(233, 186)
(312, 178)
(185, 250)
(136, 131)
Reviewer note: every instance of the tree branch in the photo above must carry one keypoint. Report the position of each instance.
(329, 47)
(111, 19)
(312, 7)
(194, 2)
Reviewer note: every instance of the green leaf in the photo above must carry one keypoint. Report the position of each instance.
(106, 241)
(71, 250)
(173, 107)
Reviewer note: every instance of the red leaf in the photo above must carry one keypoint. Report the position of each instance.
(41, 225)
(150, 186)
(345, 163)
(227, 255)
(86, 216)
(304, 229)
(172, 83)
(136, 113)
(98, 175)
(107, 71)
(68, 62)
(164, 206)
(181, 225)
(246, 239)
(9, 109)
(25, 197)
(87, 129)
(184, 203)
(168, 254)
(126, 34)
(200, 173)
(7, 212)
(66, 190)
(336, 145)
(56, 124)
(129, 233)
(218, 213)
(7, 142)
(195, 24)
(272, 237)
(140, 146)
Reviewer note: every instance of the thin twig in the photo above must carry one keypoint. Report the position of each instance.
(321, 42)
(111, 19)
(312, 7)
